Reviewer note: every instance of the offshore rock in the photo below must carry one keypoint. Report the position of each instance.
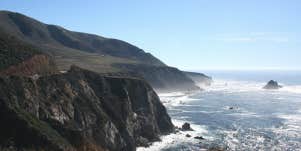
(272, 85)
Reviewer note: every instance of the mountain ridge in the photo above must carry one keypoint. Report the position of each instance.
(93, 52)
(34, 31)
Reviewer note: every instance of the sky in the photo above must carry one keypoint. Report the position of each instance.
(188, 34)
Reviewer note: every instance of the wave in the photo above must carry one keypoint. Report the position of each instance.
(177, 98)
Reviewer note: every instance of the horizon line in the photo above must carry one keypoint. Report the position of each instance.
(242, 69)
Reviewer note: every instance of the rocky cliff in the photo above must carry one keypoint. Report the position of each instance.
(79, 110)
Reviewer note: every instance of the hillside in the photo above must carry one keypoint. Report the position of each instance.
(56, 38)
(91, 52)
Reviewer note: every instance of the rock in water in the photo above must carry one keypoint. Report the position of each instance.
(187, 135)
(272, 85)
(186, 127)
(199, 137)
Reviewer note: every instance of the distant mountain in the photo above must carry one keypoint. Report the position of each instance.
(96, 53)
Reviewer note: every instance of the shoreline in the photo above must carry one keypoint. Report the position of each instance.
(179, 138)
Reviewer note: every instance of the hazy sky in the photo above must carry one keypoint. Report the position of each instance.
(189, 34)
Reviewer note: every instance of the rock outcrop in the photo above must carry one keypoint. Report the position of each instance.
(79, 110)
(272, 85)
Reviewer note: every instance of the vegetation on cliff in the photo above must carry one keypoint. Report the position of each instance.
(13, 51)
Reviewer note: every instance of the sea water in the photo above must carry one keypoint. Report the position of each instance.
(235, 113)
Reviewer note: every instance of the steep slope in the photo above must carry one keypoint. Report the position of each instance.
(79, 110)
(55, 37)
(91, 52)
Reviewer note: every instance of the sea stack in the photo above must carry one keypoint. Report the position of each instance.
(272, 85)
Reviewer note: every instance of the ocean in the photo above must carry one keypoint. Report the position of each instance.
(235, 113)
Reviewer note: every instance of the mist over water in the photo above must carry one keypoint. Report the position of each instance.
(235, 113)
(289, 77)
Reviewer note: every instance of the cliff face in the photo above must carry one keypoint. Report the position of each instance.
(161, 78)
(79, 110)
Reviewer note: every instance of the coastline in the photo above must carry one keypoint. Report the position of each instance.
(179, 139)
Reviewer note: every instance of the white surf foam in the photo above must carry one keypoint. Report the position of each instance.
(176, 98)
(293, 121)
(175, 139)
(291, 88)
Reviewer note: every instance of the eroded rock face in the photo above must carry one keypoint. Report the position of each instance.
(272, 85)
(79, 110)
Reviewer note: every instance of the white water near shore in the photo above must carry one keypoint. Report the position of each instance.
(258, 119)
